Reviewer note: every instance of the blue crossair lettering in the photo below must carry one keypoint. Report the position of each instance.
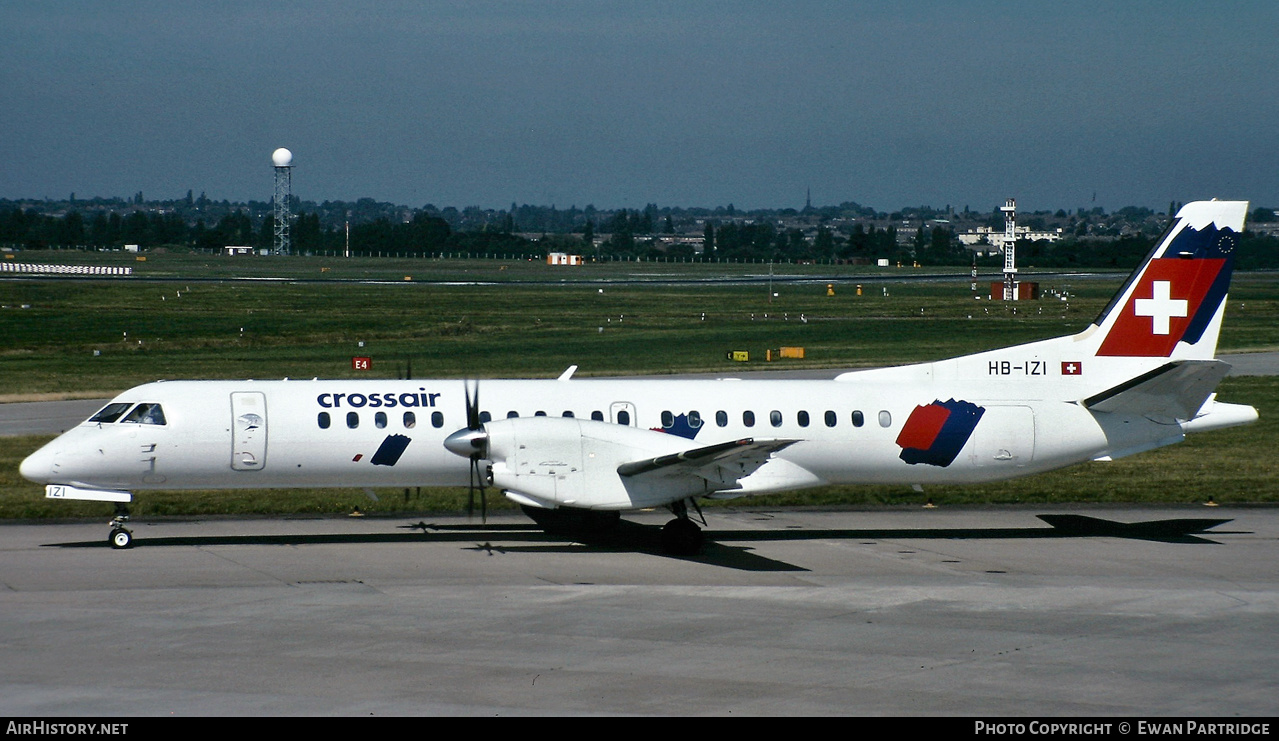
(378, 399)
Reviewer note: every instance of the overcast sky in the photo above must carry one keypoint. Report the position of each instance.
(621, 104)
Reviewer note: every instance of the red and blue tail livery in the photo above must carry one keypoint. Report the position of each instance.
(1179, 289)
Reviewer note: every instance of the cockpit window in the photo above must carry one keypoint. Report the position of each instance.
(147, 414)
(109, 413)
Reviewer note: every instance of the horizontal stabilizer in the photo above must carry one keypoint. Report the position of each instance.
(743, 456)
(1171, 393)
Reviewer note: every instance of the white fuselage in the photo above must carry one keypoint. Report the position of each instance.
(847, 431)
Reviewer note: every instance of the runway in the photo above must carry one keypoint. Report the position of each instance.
(1139, 612)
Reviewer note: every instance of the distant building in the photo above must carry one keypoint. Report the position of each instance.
(1264, 228)
(995, 237)
(697, 242)
(563, 258)
(237, 250)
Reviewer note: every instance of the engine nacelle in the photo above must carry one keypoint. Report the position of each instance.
(564, 461)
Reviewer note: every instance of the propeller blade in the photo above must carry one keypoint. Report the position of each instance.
(472, 406)
(470, 489)
(474, 446)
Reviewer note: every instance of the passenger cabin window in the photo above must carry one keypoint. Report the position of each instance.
(323, 420)
(567, 413)
(694, 420)
(539, 413)
(748, 418)
(597, 415)
(831, 418)
(437, 419)
(721, 418)
(802, 418)
(352, 420)
(379, 420)
(147, 414)
(512, 414)
(624, 417)
(668, 420)
(858, 418)
(109, 413)
(410, 420)
(885, 419)
(485, 417)
(775, 418)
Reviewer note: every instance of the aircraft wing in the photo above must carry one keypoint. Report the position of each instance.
(1171, 393)
(722, 464)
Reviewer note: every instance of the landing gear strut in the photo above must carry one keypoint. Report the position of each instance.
(121, 536)
(681, 536)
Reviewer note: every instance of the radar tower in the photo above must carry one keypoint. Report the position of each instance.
(1010, 249)
(283, 161)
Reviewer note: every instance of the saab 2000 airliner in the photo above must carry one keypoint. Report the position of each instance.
(571, 450)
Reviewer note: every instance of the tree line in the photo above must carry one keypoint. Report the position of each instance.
(423, 234)
(630, 234)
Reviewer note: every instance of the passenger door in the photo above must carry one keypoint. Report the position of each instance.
(248, 430)
(622, 413)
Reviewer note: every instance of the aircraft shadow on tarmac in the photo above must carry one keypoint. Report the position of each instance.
(641, 538)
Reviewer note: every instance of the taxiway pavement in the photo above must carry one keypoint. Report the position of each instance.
(994, 611)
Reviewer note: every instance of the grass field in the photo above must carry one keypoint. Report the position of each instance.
(93, 338)
(86, 337)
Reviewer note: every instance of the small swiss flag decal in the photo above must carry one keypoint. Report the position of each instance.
(1072, 368)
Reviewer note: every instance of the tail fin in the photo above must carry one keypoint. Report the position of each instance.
(1172, 305)
(1168, 311)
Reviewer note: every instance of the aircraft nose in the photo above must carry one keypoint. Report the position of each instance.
(38, 467)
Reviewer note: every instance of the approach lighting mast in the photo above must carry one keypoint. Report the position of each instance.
(1010, 249)
(283, 161)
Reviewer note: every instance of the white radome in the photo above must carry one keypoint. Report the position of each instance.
(282, 157)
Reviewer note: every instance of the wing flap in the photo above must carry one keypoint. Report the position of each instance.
(720, 464)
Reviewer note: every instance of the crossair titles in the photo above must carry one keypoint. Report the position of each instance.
(422, 398)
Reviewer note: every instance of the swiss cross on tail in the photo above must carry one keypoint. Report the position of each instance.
(1178, 293)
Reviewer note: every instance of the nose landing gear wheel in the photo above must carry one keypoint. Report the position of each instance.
(120, 538)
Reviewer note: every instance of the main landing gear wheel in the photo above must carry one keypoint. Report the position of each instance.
(680, 537)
